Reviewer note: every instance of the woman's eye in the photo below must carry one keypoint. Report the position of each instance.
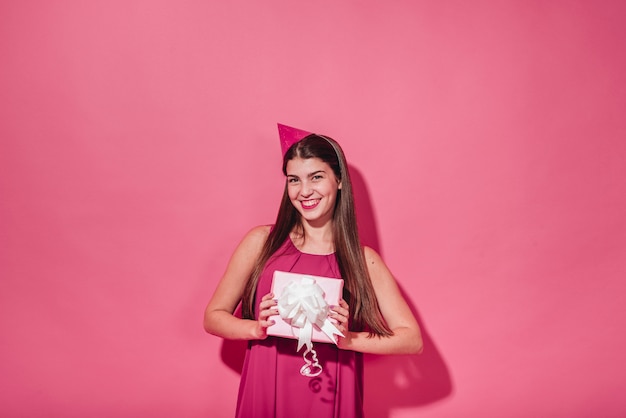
(317, 177)
(292, 180)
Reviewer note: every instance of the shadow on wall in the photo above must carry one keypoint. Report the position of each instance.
(406, 380)
(409, 380)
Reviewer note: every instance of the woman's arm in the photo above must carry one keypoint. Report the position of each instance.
(218, 316)
(406, 338)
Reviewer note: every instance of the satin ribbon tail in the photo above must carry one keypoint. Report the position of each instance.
(330, 330)
(304, 336)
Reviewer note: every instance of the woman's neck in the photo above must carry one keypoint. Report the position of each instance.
(314, 240)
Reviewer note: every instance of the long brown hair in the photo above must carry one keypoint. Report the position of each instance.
(358, 290)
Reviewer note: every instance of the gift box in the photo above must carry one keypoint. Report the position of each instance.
(304, 301)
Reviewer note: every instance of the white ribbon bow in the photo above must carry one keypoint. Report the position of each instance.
(302, 305)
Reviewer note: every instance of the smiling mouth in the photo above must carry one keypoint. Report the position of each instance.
(309, 204)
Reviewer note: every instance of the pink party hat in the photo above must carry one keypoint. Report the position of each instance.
(289, 136)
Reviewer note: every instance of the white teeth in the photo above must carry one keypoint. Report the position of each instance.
(309, 203)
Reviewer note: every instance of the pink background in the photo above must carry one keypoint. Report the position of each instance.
(139, 144)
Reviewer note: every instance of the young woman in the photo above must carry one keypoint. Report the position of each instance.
(315, 233)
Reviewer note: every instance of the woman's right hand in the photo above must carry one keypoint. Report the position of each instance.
(267, 309)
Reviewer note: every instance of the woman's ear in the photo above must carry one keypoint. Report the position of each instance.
(339, 187)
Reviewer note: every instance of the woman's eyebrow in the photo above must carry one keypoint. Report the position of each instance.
(308, 175)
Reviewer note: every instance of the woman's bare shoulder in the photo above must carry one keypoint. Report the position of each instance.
(259, 232)
(249, 248)
(371, 256)
(376, 267)
(256, 237)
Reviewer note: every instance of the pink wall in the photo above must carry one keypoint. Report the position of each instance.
(138, 144)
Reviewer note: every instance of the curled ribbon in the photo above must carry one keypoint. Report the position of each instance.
(302, 305)
(312, 366)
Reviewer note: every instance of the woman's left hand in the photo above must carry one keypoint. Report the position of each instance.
(341, 315)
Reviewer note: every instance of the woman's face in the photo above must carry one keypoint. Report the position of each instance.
(312, 188)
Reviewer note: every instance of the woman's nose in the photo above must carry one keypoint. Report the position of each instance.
(306, 189)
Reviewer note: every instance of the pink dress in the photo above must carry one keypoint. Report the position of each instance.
(271, 383)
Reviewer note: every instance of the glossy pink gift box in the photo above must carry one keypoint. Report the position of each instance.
(332, 292)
